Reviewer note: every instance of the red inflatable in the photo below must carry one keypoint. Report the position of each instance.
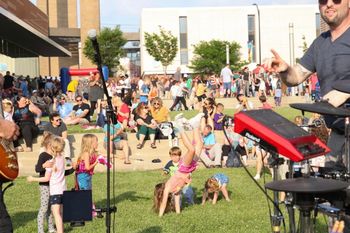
(82, 72)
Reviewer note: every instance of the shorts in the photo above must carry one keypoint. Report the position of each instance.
(84, 181)
(227, 86)
(56, 199)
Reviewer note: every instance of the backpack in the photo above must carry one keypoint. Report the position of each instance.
(233, 159)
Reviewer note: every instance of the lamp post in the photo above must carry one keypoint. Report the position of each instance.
(257, 8)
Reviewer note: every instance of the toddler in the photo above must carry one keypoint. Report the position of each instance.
(216, 183)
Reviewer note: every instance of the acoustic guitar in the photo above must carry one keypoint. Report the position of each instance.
(8, 161)
(8, 157)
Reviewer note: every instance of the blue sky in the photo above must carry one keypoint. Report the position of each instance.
(126, 13)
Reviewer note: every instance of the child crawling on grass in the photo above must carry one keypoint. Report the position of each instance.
(215, 184)
(167, 195)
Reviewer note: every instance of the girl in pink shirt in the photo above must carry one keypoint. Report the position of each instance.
(187, 165)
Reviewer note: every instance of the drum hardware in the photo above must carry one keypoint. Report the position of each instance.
(304, 191)
(324, 107)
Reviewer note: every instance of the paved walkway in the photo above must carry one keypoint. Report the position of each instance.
(140, 159)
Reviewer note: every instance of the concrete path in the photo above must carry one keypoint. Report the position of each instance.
(140, 159)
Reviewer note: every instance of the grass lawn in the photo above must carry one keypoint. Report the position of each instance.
(247, 212)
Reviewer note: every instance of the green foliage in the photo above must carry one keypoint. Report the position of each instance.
(111, 42)
(162, 47)
(210, 56)
(305, 46)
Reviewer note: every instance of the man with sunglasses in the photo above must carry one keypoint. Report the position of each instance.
(329, 56)
(58, 127)
(80, 114)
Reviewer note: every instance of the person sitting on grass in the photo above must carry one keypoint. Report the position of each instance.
(212, 150)
(80, 114)
(116, 140)
(146, 125)
(216, 183)
(182, 177)
(219, 117)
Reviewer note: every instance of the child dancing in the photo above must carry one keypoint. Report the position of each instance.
(187, 164)
(216, 183)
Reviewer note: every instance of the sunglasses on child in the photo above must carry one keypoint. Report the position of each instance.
(156, 103)
(324, 2)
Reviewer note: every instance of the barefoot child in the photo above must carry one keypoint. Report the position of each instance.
(57, 181)
(187, 164)
(216, 183)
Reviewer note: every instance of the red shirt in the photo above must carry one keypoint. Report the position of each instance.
(123, 109)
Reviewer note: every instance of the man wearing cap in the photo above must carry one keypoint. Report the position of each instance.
(39, 102)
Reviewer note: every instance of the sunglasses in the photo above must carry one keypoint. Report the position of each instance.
(78, 100)
(324, 2)
(156, 103)
(57, 120)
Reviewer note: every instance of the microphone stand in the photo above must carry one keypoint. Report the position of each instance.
(110, 115)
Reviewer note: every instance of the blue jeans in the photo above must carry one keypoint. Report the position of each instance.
(188, 193)
(84, 181)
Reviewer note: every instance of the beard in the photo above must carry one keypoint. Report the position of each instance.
(331, 22)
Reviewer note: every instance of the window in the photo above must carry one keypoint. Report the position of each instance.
(251, 38)
(183, 40)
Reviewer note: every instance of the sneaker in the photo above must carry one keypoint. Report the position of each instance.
(257, 177)
(196, 121)
(178, 116)
(178, 124)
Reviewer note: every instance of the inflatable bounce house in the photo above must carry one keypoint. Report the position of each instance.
(67, 73)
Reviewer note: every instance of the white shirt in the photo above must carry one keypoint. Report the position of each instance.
(226, 74)
(57, 180)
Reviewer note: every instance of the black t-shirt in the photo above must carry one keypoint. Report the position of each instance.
(80, 108)
(8, 81)
(43, 157)
(245, 76)
(56, 130)
(147, 120)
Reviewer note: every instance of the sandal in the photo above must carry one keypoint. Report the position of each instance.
(153, 146)
(139, 146)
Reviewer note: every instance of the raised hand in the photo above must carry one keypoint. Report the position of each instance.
(276, 63)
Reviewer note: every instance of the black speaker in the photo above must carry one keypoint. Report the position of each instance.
(77, 206)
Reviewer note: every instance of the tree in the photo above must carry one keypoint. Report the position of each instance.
(162, 47)
(210, 56)
(305, 46)
(111, 42)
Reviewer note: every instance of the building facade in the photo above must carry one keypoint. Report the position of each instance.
(281, 27)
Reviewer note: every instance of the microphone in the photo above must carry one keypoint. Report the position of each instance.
(93, 39)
